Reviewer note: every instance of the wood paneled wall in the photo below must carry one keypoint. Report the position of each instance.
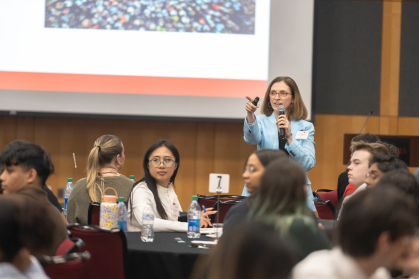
(204, 147)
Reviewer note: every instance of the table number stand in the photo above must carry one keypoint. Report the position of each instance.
(219, 183)
(219, 191)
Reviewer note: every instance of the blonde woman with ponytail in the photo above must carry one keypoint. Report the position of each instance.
(103, 164)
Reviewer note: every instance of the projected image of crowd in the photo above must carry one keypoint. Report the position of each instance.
(203, 16)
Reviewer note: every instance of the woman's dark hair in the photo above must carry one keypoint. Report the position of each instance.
(386, 163)
(281, 196)
(402, 180)
(10, 242)
(36, 222)
(150, 181)
(248, 250)
(266, 156)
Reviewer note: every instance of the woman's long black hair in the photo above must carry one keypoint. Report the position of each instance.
(150, 181)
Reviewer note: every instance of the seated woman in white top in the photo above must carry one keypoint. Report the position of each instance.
(161, 163)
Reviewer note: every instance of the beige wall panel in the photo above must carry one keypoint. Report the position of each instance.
(25, 127)
(231, 152)
(7, 129)
(62, 137)
(408, 126)
(388, 125)
(205, 147)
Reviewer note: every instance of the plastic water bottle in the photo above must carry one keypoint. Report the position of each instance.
(122, 215)
(132, 177)
(67, 192)
(147, 233)
(194, 219)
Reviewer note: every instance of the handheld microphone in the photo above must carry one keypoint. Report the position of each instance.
(281, 111)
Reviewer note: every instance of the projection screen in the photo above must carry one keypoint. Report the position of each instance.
(158, 58)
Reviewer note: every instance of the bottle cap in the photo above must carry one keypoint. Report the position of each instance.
(194, 198)
(109, 198)
(131, 177)
(70, 180)
(121, 199)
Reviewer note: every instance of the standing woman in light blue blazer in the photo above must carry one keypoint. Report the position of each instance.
(299, 134)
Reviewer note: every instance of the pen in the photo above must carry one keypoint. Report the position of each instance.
(205, 211)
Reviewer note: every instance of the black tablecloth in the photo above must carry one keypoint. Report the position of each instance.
(163, 258)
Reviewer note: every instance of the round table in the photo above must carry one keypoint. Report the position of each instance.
(163, 258)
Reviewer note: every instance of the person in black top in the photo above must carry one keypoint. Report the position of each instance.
(26, 164)
(253, 170)
(52, 198)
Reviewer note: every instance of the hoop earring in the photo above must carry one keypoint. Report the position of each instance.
(269, 104)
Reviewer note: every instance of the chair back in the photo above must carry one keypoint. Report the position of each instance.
(328, 195)
(326, 202)
(93, 214)
(108, 249)
(70, 266)
(226, 201)
(222, 208)
(69, 245)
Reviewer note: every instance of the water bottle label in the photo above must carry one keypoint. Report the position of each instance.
(122, 225)
(65, 202)
(193, 225)
(149, 217)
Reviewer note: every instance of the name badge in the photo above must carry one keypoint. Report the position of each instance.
(175, 210)
(302, 135)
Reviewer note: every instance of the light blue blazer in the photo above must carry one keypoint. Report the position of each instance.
(264, 133)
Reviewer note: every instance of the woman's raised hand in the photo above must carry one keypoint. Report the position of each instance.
(251, 108)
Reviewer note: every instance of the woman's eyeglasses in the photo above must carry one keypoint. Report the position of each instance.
(250, 169)
(166, 162)
(281, 94)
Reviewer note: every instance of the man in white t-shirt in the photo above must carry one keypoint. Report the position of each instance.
(374, 236)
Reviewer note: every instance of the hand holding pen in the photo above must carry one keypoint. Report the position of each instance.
(205, 220)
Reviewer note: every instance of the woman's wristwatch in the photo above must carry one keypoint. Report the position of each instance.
(289, 135)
